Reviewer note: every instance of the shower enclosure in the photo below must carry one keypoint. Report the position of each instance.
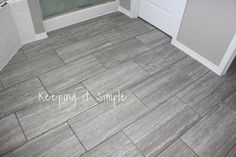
(52, 8)
(61, 13)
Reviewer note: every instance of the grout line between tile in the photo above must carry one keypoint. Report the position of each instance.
(62, 123)
(189, 147)
(76, 136)
(25, 55)
(230, 150)
(90, 93)
(21, 127)
(43, 85)
(59, 56)
(139, 100)
(187, 106)
(133, 143)
(2, 84)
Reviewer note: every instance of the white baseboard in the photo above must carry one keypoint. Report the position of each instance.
(125, 11)
(197, 57)
(41, 36)
(229, 56)
(80, 16)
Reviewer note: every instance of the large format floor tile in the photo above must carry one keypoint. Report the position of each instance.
(159, 58)
(106, 119)
(159, 87)
(82, 48)
(11, 135)
(15, 73)
(178, 149)
(120, 53)
(20, 96)
(40, 118)
(231, 73)
(121, 19)
(117, 146)
(231, 101)
(205, 93)
(59, 142)
(71, 74)
(154, 38)
(162, 126)
(18, 57)
(55, 39)
(172, 106)
(214, 135)
(125, 32)
(117, 78)
(93, 27)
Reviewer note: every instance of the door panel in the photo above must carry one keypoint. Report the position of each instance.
(164, 14)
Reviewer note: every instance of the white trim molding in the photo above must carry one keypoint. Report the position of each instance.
(220, 69)
(125, 11)
(80, 16)
(196, 56)
(41, 36)
(134, 9)
(228, 57)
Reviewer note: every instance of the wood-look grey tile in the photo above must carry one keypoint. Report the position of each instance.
(121, 19)
(214, 135)
(125, 32)
(19, 96)
(154, 38)
(162, 126)
(231, 101)
(178, 149)
(117, 78)
(106, 119)
(159, 58)
(117, 146)
(15, 73)
(71, 74)
(59, 142)
(1, 86)
(82, 48)
(46, 115)
(11, 135)
(92, 28)
(232, 153)
(205, 93)
(54, 40)
(232, 77)
(231, 73)
(159, 87)
(120, 53)
(18, 57)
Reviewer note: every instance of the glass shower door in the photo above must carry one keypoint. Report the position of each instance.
(52, 8)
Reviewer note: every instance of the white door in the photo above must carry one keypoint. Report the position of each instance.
(164, 14)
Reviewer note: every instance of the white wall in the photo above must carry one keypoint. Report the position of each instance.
(208, 27)
(9, 38)
(21, 14)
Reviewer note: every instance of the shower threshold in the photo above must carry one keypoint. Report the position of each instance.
(79, 15)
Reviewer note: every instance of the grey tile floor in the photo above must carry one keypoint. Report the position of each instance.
(173, 106)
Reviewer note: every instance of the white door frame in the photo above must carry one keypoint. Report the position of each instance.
(134, 9)
(179, 12)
